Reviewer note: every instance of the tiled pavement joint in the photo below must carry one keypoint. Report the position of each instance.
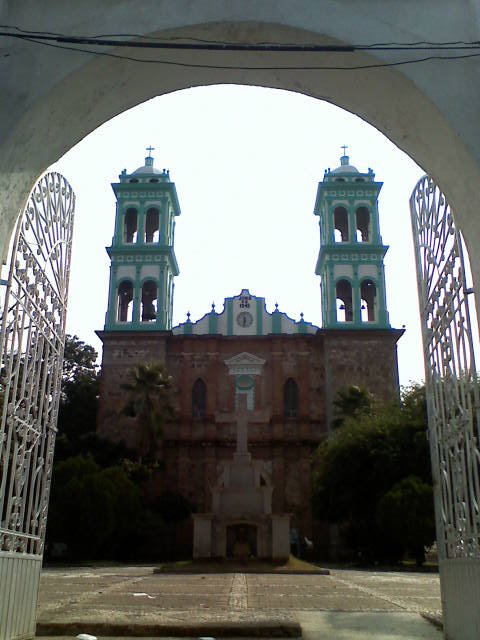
(238, 594)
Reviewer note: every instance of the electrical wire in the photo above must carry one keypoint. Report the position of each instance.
(409, 45)
(68, 43)
(251, 68)
(229, 46)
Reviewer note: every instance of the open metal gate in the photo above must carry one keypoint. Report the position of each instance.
(32, 339)
(453, 405)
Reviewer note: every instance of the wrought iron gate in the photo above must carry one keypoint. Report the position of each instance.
(31, 349)
(453, 405)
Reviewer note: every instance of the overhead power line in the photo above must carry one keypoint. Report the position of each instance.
(77, 44)
(422, 44)
(233, 46)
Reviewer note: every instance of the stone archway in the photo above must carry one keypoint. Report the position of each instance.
(53, 99)
(50, 100)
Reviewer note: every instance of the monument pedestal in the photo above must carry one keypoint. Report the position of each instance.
(241, 523)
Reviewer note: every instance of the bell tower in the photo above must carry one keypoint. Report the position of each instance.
(143, 263)
(350, 261)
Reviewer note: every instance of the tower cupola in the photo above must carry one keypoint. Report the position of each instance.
(143, 262)
(350, 261)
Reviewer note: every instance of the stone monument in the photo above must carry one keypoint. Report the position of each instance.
(241, 523)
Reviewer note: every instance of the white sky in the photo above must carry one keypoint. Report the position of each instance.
(246, 162)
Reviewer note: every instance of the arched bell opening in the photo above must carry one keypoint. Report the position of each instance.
(362, 220)
(344, 301)
(340, 223)
(125, 301)
(368, 295)
(152, 226)
(149, 301)
(130, 228)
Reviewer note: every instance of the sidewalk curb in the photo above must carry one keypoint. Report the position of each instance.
(434, 619)
(258, 629)
(206, 571)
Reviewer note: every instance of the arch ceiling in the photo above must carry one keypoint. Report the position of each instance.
(52, 98)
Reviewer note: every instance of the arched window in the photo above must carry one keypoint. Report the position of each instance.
(362, 217)
(368, 294)
(149, 301)
(152, 225)
(125, 302)
(340, 223)
(344, 301)
(290, 398)
(130, 225)
(199, 399)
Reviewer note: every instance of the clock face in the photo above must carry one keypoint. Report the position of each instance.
(244, 319)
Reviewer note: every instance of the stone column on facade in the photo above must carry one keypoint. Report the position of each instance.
(142, 214)
(137, 295)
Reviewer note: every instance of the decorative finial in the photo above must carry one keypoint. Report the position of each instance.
(149, 158)
(188, 316)
(276, 306)
(344, 160)
(301, 316)
(213, 306)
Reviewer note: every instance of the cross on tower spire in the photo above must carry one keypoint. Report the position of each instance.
(150, 149)
(344, 147)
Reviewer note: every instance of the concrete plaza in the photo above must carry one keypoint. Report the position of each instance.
(133, 601)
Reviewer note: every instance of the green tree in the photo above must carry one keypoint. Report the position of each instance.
(96, 512)
(351, 402)
(77, 415)
(79, 360)
(150, 402)
(78, 403)
(173, 508)
(81, 510)
(361, 462)
(405, 516)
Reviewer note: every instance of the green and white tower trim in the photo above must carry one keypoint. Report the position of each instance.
(143, 263)
(350, 261)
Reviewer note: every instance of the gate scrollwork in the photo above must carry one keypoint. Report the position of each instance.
(32, 338)
(451, 376)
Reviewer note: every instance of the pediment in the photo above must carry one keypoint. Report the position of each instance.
(245, 363)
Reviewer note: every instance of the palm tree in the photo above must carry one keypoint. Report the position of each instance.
(150, 403)
(351, 402)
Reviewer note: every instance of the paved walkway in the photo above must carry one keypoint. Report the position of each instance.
(342, 606)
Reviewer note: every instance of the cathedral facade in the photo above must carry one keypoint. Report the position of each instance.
(298, 367)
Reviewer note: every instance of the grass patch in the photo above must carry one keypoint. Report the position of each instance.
(227, 565)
